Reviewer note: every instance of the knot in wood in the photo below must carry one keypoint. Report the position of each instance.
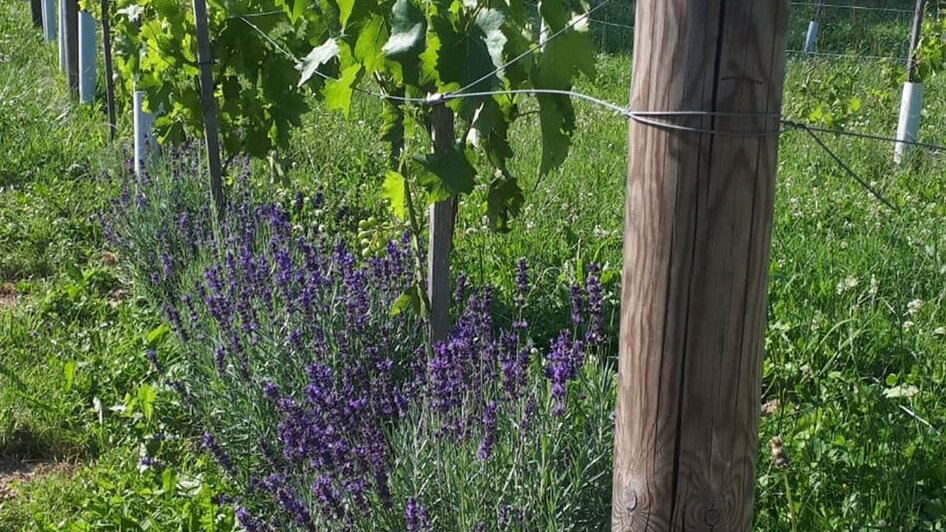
(711, 517)
(629, 500)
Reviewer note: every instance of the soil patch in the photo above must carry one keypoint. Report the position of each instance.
(17, 473)
(8, 295)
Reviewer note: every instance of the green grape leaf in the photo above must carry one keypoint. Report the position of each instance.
(409, 300)
(345, 8)
(458, 57)
(557, 121)
(395, 192)
(564, 57)
(407, 30)
(554, 14)
(446, 173)
(338, 92)
(317, 57)
(392, 124)
(503, 202)
(369, 43)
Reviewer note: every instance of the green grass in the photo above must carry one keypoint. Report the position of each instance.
(71, 347)
(857, 370)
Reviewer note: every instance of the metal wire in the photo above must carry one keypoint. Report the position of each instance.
(852, 7)
(535, 47)
(848, 56)
(860, 181)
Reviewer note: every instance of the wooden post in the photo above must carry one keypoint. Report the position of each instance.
(107, 60)
(208, 105)
(911, 99)
(71, 33)
(696, 256)
(442, 217)
(915, 36)
(36, 11)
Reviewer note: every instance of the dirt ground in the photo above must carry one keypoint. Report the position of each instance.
(16, 473)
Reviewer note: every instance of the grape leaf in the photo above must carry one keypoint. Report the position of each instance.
(503, 202)
(554, 15)
(395, 192)
(392, 124)
(564, 57)
(557, 121)
(457, 57)
(446, 173)
(316, 58)
(338, 92)
(406, 41)
(368, 45)
(345, 8)
(407, 30)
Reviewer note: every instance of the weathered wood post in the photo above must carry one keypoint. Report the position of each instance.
(440, 245)
(70, 32)
(696, 256)
(107, 60)
(911, 100)
(36, 12)
(208, 106)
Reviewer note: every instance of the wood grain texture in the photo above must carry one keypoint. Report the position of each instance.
(71, 35)
(696, 254)
(36, 12)
(915, 34)
(208, 106)
(440, 245)
(107, 60)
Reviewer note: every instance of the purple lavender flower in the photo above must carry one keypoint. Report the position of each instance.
(489, 431)
(595, 334)
(415, 516)
(527, 414)
(148, 461)
(248, 522)
(562, 364)
(153, 358)
(576, 298)
(221, 456)
(329, 497)
(522, 282)
(166, 264)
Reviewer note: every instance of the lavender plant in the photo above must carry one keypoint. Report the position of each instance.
(326, 410)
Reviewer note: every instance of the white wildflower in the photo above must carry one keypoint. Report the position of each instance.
(907, 325)
(901, 390)
(848, 283)
(913, 307)
(939, 331)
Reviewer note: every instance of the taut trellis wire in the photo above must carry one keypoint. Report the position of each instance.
(652, 118)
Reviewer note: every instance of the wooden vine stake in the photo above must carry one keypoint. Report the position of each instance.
(208, 105)
(36, 12)
(442, 217)
(696, 256)
(911, 99)
(107, 60)
(70, 32)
